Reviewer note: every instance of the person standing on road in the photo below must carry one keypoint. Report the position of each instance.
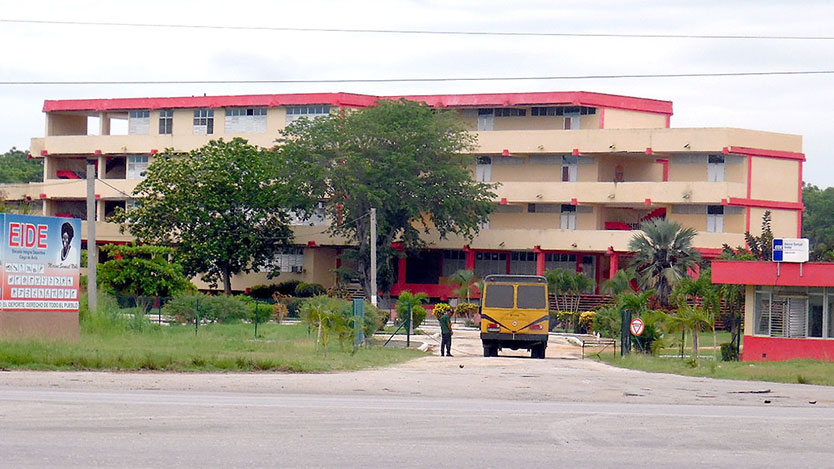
(446, 334)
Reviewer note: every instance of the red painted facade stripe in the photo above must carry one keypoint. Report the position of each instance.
(774, 204)
(575, 98)
(602, 118)
(814, 274)
(785, 155)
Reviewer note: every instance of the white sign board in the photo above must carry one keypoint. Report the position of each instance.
(790, 250)
(637, 327)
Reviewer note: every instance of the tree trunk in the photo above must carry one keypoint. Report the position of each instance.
(695, 343)
(227, 280)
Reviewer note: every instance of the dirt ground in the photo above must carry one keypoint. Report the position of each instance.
(562, 376)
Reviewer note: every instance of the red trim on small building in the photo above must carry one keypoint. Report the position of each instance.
(669, 121)
(575, 152)
(761, 349)
(503, 201)
(573, 201)
(647, 202)
(649, 151)
(785, 155)
(813, 274)
(602, 118)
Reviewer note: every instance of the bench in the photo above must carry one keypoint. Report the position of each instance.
(594, 341)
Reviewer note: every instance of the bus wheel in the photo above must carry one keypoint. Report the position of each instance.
(537, 351)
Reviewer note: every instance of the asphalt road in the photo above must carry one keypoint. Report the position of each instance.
(466, 411)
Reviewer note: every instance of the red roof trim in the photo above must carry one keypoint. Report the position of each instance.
(765, 204)
(575, 98)
(814, 274)
(193, 102)
(786, 155)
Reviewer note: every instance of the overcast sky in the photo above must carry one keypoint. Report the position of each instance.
(789, 104)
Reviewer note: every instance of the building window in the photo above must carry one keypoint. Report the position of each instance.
(523, 263)
(203, 121)
(246, 120)
(310, 112)
(562, 110)
(486, 119)
(716, 168)
(568, 217)
(510, 112)
(453, 261)
(137, 165)
(560, 261)
(138, 122)
(166, 122)
(715, 219)
(291, 261)
(570, 168)
(483, 170)
(487, 263)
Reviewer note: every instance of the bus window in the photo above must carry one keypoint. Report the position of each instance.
(499, 296)
(532, 297)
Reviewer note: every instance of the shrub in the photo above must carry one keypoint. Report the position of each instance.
(466, 310)
(263, 291)
(729, 353)
(442, 308)
(608, 321)
(586, 322)
(309, 290)
(220, 308)
(418, 313)
(288, 287)
(569, 319)
(279, 312)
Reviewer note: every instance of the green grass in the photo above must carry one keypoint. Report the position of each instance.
(794, 371)
(114, 341)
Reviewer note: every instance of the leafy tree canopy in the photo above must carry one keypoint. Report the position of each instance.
(400, 157)
(219, 205)
(15, 166)
(142, 271)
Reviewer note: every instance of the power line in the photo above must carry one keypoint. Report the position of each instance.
(422, 32)
(413, 80)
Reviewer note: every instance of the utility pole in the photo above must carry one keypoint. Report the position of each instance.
(92, 250)
(373, 257)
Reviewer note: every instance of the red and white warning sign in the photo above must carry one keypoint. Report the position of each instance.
(637, 326)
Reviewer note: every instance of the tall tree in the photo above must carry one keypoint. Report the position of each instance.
(16, 166)
(663, 255)
(219, 205)
(818, 220)
(401, 157)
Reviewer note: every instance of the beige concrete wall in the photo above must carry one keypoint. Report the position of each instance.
(775, 179)
(54, 325)
(66, 124)
(620, 193)
(749, 309)
(529, 122)
(526, 171)
(535, 221)
(736, 172)
(635, 168)
(622, 119)
(661, 140)
(784, 223)
(320, 265)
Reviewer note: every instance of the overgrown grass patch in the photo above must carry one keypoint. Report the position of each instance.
(793, 371)
(127, 343)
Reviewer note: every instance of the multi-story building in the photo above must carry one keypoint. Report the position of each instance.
(578, 172)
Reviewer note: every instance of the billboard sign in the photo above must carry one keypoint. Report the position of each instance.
(40, 263)
(790, 250)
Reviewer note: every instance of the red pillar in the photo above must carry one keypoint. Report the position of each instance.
(578, 262)
(401, 270)
(470, 258)
(540, 258)
(615, 264)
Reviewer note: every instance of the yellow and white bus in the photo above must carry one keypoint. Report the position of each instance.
(515, 314)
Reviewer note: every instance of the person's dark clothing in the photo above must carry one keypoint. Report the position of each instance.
(446, 335)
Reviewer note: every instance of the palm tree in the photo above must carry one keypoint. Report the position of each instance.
(663, 255)
(619, 283)
(465, 281)
(701, 290)
(568, 285)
